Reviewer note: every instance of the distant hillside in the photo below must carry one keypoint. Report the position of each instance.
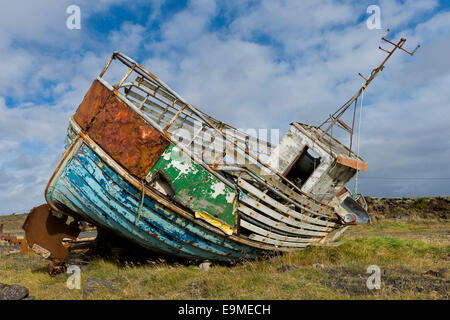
(406, 208)
(13, 222)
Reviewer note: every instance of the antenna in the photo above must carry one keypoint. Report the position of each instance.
(334, 118)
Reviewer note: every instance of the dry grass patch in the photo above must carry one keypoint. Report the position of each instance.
(411, 269)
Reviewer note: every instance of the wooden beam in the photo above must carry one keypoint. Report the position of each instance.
(352, 163)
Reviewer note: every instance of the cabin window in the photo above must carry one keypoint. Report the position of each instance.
(302, 168)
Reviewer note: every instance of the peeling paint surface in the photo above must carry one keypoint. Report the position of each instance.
(90, 187)
(219, 189)
(126, 137)
(196, 187)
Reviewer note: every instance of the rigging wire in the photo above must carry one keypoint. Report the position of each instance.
(355, 187)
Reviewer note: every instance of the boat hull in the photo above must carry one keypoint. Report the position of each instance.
(89, 186)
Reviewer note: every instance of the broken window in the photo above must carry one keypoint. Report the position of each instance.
(302, 168)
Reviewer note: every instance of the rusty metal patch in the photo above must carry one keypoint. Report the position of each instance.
(92, 103)
(45, 232)
(12, 240)
(127, 138)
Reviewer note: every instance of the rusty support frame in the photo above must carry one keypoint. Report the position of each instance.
(13, 240)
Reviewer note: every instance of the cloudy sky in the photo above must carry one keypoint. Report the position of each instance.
(255, 64)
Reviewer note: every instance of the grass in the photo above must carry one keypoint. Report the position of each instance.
(404, 263)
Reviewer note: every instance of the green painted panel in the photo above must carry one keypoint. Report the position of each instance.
(195, 187)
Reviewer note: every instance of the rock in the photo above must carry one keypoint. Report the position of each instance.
(29, 298)
(436, 273)
(13, 292)
(432, 273)
(400, 283)
(205, 265)
(287, 267)
(318, 265)
(2, 285)
(93, 284)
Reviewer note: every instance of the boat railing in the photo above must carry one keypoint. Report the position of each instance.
(190, 126)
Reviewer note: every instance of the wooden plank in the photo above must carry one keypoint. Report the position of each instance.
(276, 225)
(259, 238)
(352, 163)
(309, 203)
(253, 143)
(279, 217)
(333, 236)
(260, 195)
(272, 235)
(303, 202)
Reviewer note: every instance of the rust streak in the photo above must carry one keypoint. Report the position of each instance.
(121, 132)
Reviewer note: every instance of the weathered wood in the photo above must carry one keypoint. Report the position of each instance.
(300, 198)
(333, 236)
(276, 225)
(268, 234)
(259, 238)
(260, 195)
(282, 218)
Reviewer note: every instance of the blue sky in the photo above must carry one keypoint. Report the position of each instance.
(255, 64)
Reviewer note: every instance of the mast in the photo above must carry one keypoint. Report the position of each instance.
(334, 118)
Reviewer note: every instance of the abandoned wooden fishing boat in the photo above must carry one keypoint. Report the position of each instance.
(144, 164)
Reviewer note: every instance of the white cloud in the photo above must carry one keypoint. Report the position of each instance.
(128, 39)
(397, 13)
(46, 87)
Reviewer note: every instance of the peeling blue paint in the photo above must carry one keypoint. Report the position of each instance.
(90, 187)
